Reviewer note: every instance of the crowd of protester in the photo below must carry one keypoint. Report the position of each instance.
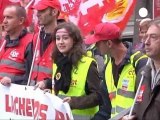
(98, 75)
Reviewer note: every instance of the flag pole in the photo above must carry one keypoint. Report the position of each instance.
(34, 56)
(27, 6)
(135, 98)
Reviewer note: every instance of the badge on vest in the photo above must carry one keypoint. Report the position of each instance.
(125, 84)
(58, 76)
(73, 83)
(14, 54)
(140, 94)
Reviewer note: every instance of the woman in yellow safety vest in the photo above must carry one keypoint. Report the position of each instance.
(74, 73)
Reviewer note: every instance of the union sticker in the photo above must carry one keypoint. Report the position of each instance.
(140, 94)
(125, 84)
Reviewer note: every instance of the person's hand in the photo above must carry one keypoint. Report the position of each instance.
(47, 90)
(126, 117)
(6, 81)
(67, 99)
(40, 85)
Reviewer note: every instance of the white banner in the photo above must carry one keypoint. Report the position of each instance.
(22, 102)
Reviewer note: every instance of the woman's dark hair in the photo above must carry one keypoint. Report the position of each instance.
(77, 51)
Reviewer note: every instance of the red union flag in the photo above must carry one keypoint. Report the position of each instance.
(91, 13)
(70, 7)
(87, 13)
(121, 13)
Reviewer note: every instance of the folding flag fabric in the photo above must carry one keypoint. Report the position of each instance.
(121, 13)
(87, 13)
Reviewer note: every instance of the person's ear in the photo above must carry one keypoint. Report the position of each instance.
(54, 12)
(109, 43)
(21, 20)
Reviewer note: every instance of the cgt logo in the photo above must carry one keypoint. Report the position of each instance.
(131, 72)
(14, 53)
(70, 6)
(73, 83)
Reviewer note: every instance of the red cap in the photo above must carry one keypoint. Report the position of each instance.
(43, 4)
(104, 31)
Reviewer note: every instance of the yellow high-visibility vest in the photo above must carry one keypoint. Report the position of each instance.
(77, 87)
(122, 96)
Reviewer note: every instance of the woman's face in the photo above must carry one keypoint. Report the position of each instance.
(64, 42)
(142, 32)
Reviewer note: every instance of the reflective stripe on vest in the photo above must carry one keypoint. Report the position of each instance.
(12, 63)
(42, 69)
(12, 76)
(136, 57)
(128, 94)
(12, 59)
(124, 92)
(43, 64)
(19, 68)
(118, 109)
(78, 89)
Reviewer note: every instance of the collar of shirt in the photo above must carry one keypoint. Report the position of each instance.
(14, 42)
(154, 74)
(126, 59)
(46, 39)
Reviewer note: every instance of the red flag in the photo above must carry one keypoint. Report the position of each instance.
(121, 13)
(92, 12)
(87, 13)
(70, 7)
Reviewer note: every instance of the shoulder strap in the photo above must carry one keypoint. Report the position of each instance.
(91, 47)
(106, 59)
(90, 50)
(136, 57)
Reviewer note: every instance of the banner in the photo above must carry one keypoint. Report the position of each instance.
(22, 102)
(87, 13)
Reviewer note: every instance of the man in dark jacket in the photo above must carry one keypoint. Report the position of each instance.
(147, 106)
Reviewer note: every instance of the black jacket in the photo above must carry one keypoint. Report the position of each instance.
(147, 106)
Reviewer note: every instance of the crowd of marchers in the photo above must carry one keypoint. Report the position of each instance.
(58, 57)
